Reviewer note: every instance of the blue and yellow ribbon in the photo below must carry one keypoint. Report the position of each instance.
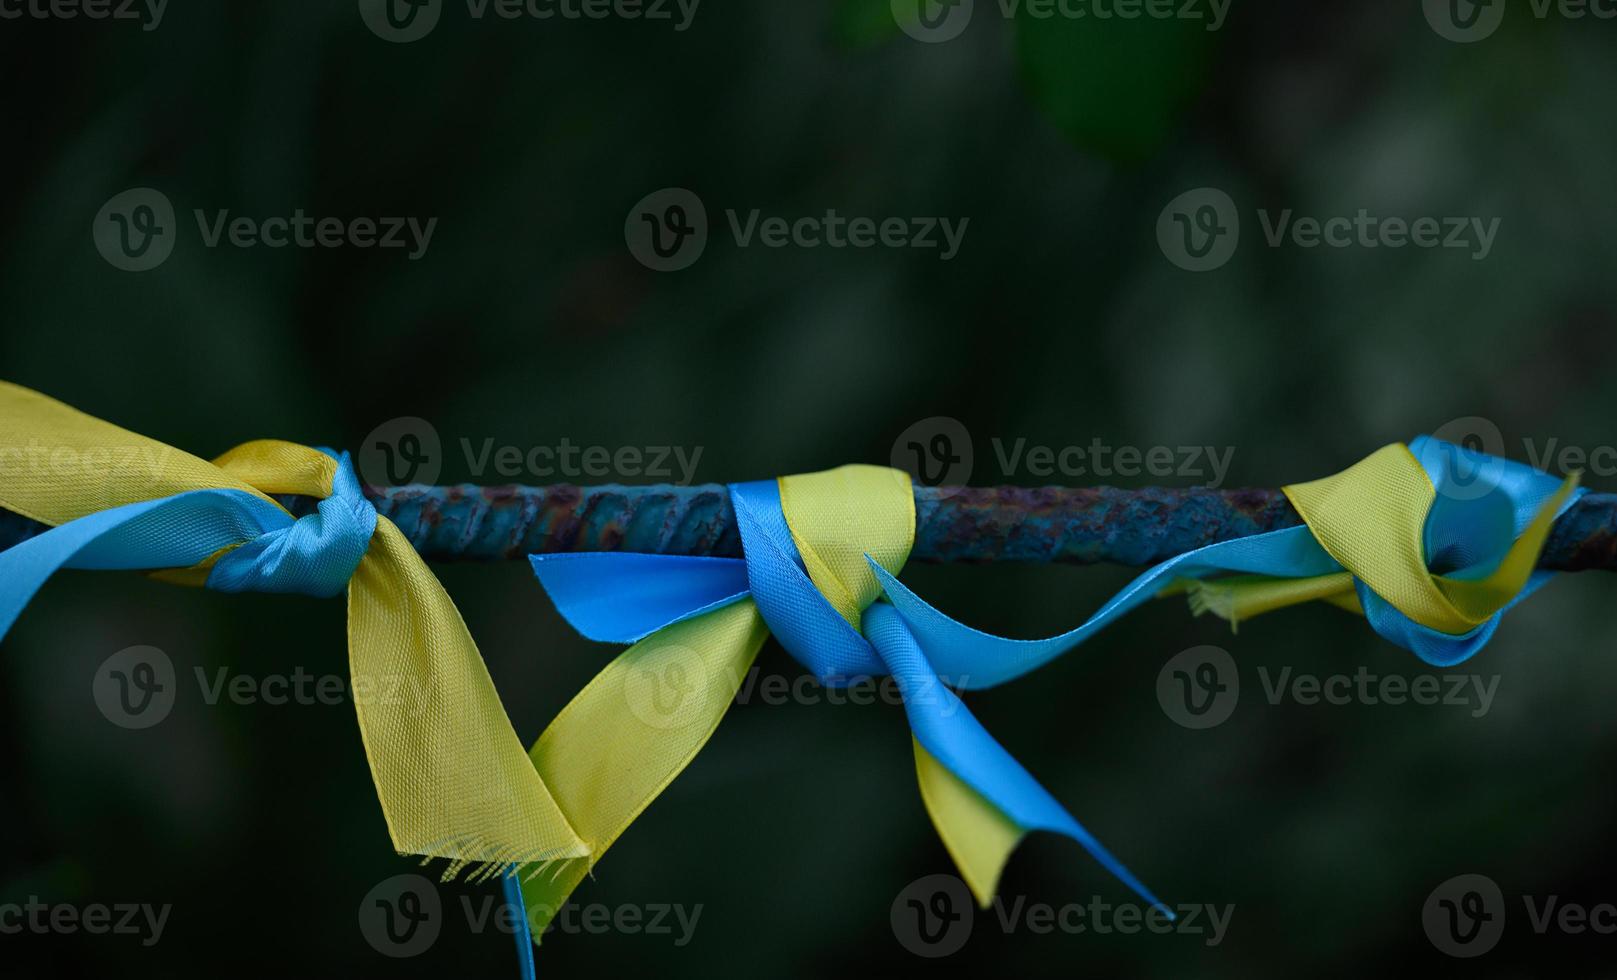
(814, 546)
(822, 556)
(450, 773)
(1431, 542)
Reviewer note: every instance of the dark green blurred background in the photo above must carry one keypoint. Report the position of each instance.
(1060, 321)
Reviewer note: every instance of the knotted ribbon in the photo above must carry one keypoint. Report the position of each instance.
(449, 771)
(814, 545)
(1431, 541)
(1371, 539)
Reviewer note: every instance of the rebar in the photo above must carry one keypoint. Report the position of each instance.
(1069, 525)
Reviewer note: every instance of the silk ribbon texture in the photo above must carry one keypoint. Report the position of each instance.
(449, 770)
(820, 573)
(814, 545)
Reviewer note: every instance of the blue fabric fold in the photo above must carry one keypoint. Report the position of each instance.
(271, 550)
(623, 597)
(1482, 505)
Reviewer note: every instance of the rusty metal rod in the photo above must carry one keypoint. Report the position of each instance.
(1084, 525)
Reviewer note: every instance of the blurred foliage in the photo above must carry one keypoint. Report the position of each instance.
(1060, 322)
(1114, 87)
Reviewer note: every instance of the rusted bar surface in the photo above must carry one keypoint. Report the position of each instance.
(1082, 525)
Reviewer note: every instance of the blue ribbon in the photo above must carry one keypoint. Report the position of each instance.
(313, 555)
(1483, 504)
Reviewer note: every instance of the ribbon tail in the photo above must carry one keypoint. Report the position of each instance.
(631, 731)
(524, 936)
(973, 659)
(61, 464)
(980, 798)
(171, 532)
(1237, 598)
(450, 772)
(624, 597)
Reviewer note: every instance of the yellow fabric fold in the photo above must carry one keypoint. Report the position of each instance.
(978, 835)
(836, 518)
(630, 731)
(1371, 518)
(641, 721)
(58, 464)
(450, 773)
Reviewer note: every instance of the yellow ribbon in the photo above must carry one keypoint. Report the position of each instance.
(642, 720)
(450, 772)
(1371, 518)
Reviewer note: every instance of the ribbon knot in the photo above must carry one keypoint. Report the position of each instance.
(821, 551)
(1432, 542)
(316, 554)
(450, 774)
(811, 573)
